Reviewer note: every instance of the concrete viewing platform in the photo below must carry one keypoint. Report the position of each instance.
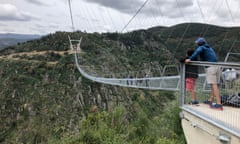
(201, 124)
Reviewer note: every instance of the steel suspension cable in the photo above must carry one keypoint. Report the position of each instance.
(228, 8)
(203, 17)
(171, 32)
(70, 10)
(231, 15)
(185, 31)
(134, 15)
(111, 18)
(225, 36)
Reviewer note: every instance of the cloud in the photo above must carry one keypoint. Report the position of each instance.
(121, 5)
(169, 8)
(47, 3)
(37, 2)
(2, 24)
(9, 12)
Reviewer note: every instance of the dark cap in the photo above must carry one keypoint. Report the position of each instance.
(200, 40)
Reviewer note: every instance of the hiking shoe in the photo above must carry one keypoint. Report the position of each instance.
(207, 102)
(194, 102)
(217, 107)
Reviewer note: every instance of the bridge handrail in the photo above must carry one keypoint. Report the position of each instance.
(170, 83)
(222, 64)
(210, 119)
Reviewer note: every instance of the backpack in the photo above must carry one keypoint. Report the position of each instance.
(230, 74)
(232, 100)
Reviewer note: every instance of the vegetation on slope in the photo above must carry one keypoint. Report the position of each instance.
(45, 103)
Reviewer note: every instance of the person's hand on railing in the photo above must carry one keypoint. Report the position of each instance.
(187, 60)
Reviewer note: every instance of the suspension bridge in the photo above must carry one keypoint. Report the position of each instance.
(170, 83)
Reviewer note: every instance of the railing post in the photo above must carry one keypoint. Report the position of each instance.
(182, 84)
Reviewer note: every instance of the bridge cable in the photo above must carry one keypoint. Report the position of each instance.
(70, 10)
(231, 15)
(203, 17)
(232, 20)
(134, 15)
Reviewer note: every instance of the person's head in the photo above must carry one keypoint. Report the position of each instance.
(200, 41)
(189, 52)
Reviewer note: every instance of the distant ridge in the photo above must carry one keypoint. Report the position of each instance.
(19, 36)
(8, 39)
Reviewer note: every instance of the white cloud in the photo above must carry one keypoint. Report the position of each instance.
(124, 6)
(9, 12)
(37, 2)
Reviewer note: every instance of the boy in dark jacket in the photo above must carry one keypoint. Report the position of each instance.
(191, 74)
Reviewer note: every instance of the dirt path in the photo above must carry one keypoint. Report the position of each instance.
(15, 56)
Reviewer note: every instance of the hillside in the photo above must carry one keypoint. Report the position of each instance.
(44, 99)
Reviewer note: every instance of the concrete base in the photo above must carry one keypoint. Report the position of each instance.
(198, 131)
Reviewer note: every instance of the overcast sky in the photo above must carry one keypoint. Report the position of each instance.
(49, 16)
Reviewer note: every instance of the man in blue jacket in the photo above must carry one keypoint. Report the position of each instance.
(206, 53)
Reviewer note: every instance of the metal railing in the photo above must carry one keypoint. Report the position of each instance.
(228, 118)
(163, 82)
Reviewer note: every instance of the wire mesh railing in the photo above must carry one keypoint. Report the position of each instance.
(229, 88)
(138, 79)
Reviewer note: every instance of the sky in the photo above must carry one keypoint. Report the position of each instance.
(48, 16)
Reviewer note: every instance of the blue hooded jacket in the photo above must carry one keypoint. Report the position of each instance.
(205, 52)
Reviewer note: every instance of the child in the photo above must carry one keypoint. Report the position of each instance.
(191, 74)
